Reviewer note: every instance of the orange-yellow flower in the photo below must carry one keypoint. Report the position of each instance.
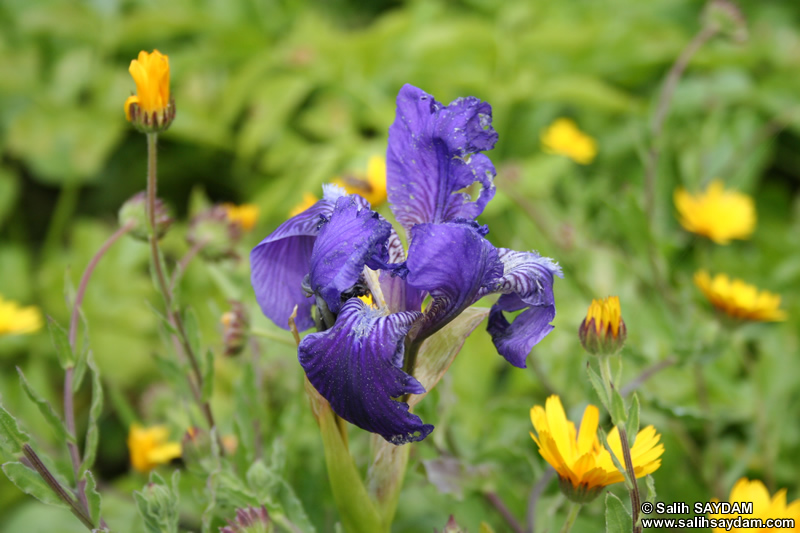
(245, 215)
(583, 465)
(308, 200)
(739, 299)
(151, 106)
(372, 186)
(18, 320)
(764, 508)
(149, 447)
(563, 137)
(716, 213)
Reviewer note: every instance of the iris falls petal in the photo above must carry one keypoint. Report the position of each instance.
(279, 263)
(433, 156)
(527, 284)
(356, 366)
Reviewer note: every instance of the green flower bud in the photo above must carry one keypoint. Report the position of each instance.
(215, 233)
(133, 213)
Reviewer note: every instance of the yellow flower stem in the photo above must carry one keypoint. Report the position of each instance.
(634, 488)
(69, 410)
(34, 462)
(574, 509)
(174, 318)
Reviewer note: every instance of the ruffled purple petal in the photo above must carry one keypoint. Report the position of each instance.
(433, 155)
(279, 263)
(356, 365)
(399, 296)
(527, 282)
(352, 238)
(455, 264)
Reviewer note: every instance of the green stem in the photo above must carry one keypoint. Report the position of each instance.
(196, 384)
(65, 207)
(272, 336)
(571, 517)
(634, 488)
(605, 373)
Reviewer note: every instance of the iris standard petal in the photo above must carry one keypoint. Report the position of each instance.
(433, 156)
(454, 263)
(527, 282)
(352, 238)
(356, 366)
(279, 263)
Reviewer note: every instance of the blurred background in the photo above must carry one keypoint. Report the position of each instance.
(275, 98)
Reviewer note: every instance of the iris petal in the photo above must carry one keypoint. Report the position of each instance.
(356, 366)
(527, 283)
(432, 157)
(281, 261)
(454, 263)
(352, 238)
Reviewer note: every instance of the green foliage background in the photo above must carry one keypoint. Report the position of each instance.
(275, 98)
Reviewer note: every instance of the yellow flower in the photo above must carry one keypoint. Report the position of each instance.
(18, 320)
(603, 330)
(150, 108)
(563, 137)
(764, 507)
(583, 465)
(245, 215)
(308, 200)
(716, 213)
(372, 186)
(738, 299)
(149, 447)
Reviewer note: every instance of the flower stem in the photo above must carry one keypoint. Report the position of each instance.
(571, 517)
(69, 409)
(634, 490)
(175, 319)
(56, 487)
(505, 512)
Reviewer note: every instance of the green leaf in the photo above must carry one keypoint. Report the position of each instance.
(208, 376)
(438, 351)
(651, 489)
(597, 384)
(632, 426)
(92, 497)
(620, 466)
(46, 409)
(164, 320)
(11, 437)
(29, 482)
(158, 504)
(192, 327)
(617, 517)
(61, 344)
(618, 415)
(95, 410)
(268, 486)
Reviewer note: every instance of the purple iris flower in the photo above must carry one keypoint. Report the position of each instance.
(327, 258)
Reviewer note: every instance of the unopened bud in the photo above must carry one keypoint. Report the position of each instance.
(133, 213)
(214, 233)
(726, 18)
(250, 520)
(451, 527)
(603, 332)
(235, 325)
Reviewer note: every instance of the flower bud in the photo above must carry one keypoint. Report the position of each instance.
(215, 233)
(726, 18)
(134, 213)
(235, 325)
(250, 520)
(151, 109)
(603, 331)
(451, 527)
